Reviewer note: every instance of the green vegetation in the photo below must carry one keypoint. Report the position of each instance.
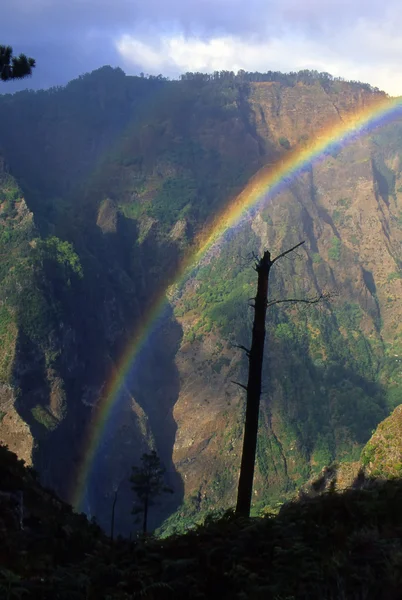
(42, 416)
(334, 252)
(8, 334)
(344, 202)
(381, 457)
(54, 249)
(368, 454)
(340, 217)
(306, 76)
(171, 200)
(284, 142)
(22, 306)
(393, 276)
(9, 195)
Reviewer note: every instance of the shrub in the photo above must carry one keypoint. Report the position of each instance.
(334, 253)
(284, 142)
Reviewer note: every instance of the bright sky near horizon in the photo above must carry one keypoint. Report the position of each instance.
(355, 39)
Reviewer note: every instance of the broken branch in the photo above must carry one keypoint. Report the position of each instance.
(287, 252)
(315, 300)
(246, 350)
(240, 385)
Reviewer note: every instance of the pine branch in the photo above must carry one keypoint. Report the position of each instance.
(14, 67)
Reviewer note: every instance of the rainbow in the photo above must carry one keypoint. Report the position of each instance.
(267, 182)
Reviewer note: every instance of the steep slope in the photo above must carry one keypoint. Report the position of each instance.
(380, 460)
(382, 455)
(329, 374)
(72, 312)
(17, 230)
(128, 171)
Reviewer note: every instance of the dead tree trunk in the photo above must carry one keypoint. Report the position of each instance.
(255, 357)
(253, 388)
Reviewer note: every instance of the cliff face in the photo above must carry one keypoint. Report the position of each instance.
(154, 165)
(331, 372)
(17, 230)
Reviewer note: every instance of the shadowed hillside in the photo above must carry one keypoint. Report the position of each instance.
(338, 545)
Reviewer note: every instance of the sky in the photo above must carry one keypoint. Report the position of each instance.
(354, 39)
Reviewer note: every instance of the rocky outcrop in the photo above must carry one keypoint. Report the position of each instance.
(382, 455)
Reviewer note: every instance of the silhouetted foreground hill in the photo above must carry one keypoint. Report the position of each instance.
(335, 546)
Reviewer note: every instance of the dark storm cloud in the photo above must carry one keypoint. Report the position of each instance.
(61, 17)
(69, 37)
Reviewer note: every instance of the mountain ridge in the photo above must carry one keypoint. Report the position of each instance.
(159, 161)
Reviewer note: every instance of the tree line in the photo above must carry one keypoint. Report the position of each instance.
(304, 76)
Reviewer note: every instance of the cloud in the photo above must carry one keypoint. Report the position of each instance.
(352, 38)
(365, 52)
(204, 17)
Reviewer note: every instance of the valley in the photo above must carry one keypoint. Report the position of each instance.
(104, 186)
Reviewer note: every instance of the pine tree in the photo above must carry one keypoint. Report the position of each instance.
(148, 483)
(14, 67)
